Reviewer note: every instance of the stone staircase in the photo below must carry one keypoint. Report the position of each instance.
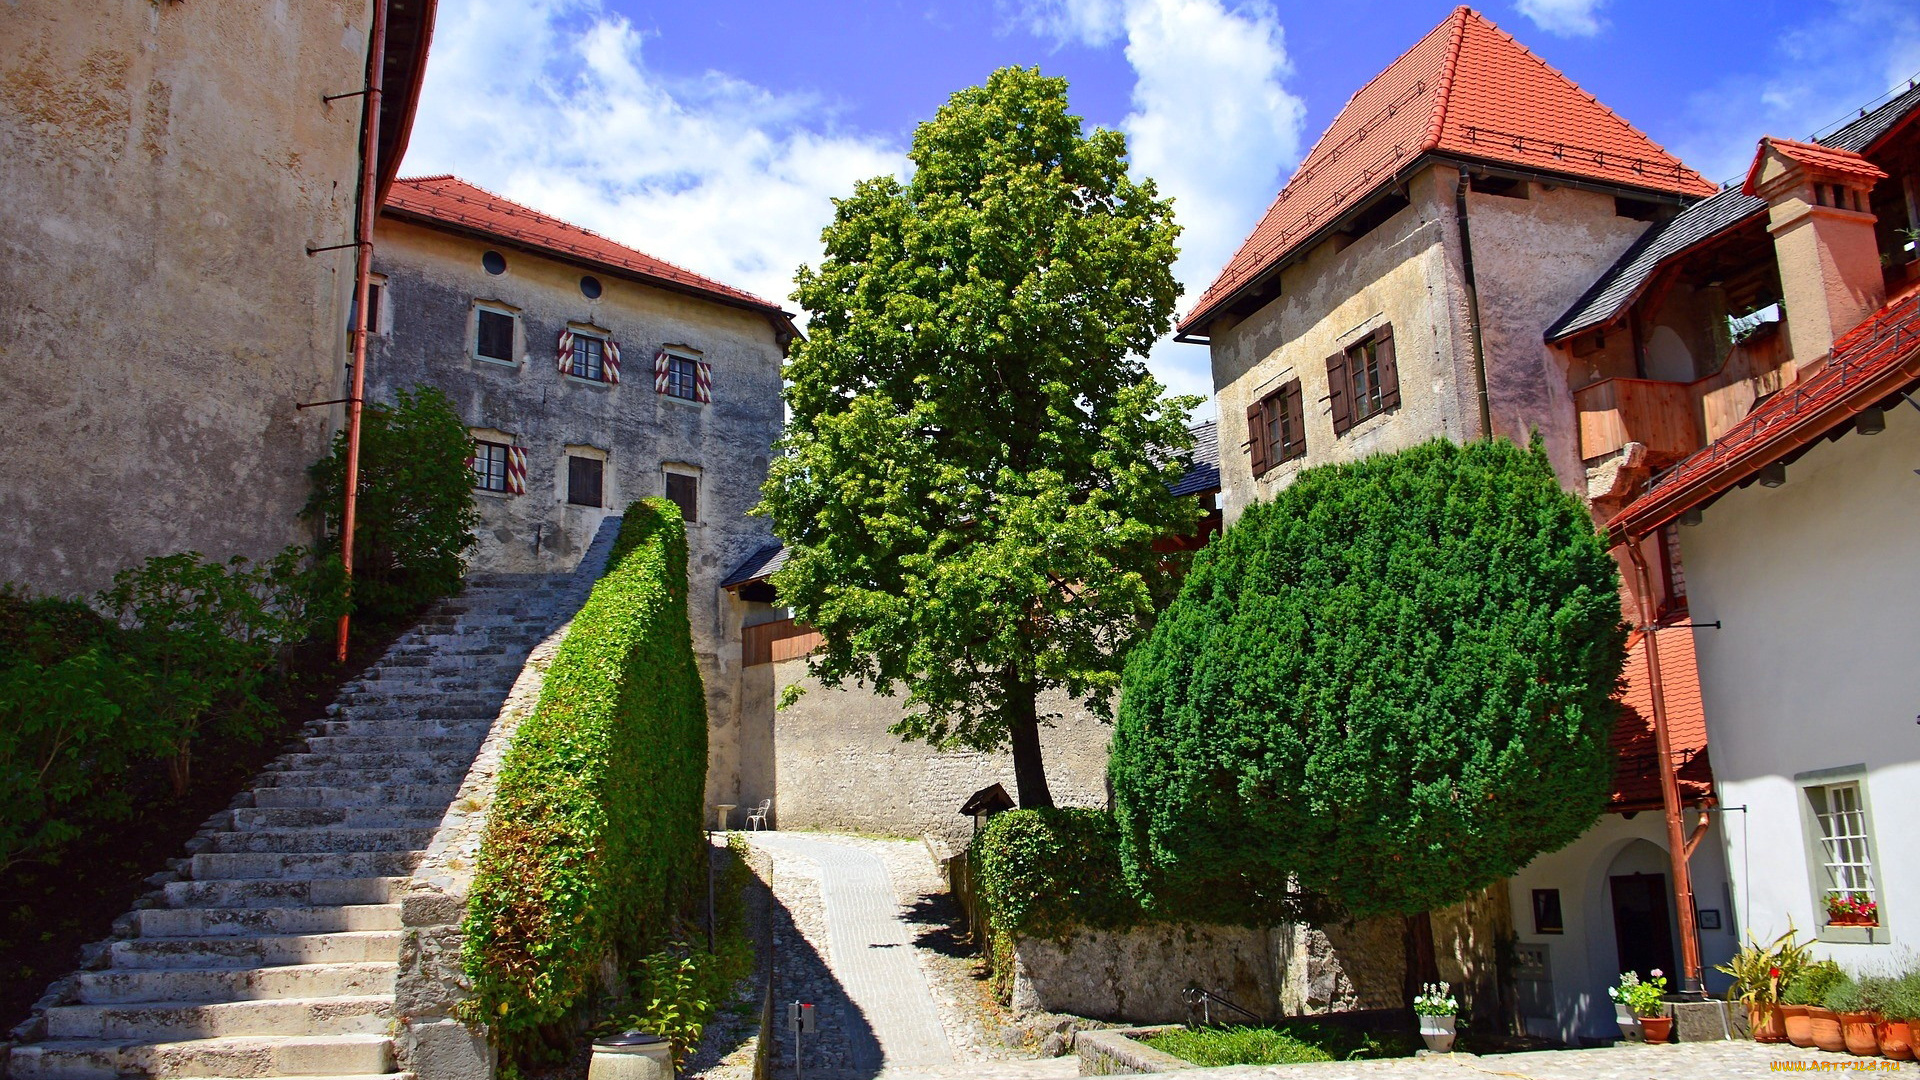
(273, 949)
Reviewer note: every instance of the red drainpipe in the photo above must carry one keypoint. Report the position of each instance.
(1678, 845)
(362, 275)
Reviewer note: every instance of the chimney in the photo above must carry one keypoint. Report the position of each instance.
(1822, 238)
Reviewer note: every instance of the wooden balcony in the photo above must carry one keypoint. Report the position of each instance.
(1615, 412)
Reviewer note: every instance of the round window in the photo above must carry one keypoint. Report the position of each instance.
(590, 287)
(495, 262)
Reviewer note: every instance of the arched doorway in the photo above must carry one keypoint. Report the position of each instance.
(1642, 909)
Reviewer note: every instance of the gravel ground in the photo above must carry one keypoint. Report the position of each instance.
(1693, 1061)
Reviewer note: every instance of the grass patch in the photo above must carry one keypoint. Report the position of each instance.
(1291, 1043)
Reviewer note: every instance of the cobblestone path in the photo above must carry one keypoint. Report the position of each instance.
(869, 961)
(1691, 1061)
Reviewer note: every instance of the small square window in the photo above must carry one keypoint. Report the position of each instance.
(585, 477)
(683, 378)
(493, 338)
(490, 466)
(684, 491)
(1546, 912)
(589, 359)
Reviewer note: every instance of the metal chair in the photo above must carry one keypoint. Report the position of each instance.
(757, 817)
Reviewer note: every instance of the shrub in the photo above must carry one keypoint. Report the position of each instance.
(415, 518)
(1289, 1043)
(1393, 683)
(594, 839)
(1754, 967)
(1812, 984)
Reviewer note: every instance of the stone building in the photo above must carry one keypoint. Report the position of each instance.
(167, 168)
(591, 375)
(1400, 289)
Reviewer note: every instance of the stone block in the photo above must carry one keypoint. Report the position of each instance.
(448, 1050)
(1702, 1021)
(1118, 1053)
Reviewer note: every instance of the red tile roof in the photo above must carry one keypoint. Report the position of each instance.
(1636, 775)
(447, 201)
(1813, 156)
(1466, 90)
(1868, 363)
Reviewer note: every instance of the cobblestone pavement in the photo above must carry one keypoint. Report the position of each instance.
(1687, 1061)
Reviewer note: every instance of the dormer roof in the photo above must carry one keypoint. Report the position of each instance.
(1817, 159)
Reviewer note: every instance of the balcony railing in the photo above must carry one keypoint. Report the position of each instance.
(1673, 419)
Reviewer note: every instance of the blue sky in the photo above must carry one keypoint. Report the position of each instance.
(715, 134)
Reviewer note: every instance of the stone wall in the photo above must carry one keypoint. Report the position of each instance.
(164, 167)
(837, 766)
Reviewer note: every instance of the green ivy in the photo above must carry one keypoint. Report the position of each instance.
(594, 840)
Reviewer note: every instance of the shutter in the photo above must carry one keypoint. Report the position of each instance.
(563, 353)
(1389, 370)
(660, 372)
(516, 470)
(1295, 403)
(1257, 436)
(610, 364)
(703, 381)
(1339, 393)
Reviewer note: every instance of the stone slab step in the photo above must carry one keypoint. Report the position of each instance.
(242, 921)
(236, 984)
(359, 778)
(382, 761)
(364, 795)
(269, 866)
(400, 742)
(392, 816)
(174, 1021)
(287, 892)
(352, 947)
(239, 1058)
(474, 728)
(323, 839)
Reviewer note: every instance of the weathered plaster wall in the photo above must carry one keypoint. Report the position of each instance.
(163, 168)
(433, 280)
(1532, 259)
(838, 767)
(1403, 273)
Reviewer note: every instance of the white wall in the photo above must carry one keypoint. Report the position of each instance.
(1584, 960)
(1817, 666)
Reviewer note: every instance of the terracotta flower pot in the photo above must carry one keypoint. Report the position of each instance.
(1857, 1030)
(1798, 1024)
(1658, 1029)
(1853, 920)
(1895, 1038)
(1765, 1023)
(1826, 1029)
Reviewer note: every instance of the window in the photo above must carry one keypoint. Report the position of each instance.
(1363, 380)
(1546, 912)
(1277, 427)
(493, 335)
(1845, 848)
(589, 359)
(494, 263)
(490, 466)
(585, 479)
(1635, 209)
(1506, 187)
(684, 491)
(683, 379)
(374, 289)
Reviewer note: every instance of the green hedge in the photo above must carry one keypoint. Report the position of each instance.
(594, 841)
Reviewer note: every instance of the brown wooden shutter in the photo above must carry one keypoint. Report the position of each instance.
(1257, 436)
(1389, 370)
(1295, 403)
(1339, 393)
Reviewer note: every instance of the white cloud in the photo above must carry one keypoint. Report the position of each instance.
(1844, 55)
(550, 102)
(1566, 18)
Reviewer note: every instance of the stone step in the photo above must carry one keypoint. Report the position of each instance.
(351, 947)
(392, 816)
(381, 761)
(472, 728)
(263, 865)
(238, 922)
(358, 778)
(355, 795)
(118, 986)
(314, 841)
(237, 1057)
(359, 743)
(172, 1021)
(285, 892)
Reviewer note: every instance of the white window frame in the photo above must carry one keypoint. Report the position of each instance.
(589, 333)
(515, 344)
(1857, 855)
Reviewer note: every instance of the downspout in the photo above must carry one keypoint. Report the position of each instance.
(1679, 845)
(1473, 304)
(362, 276)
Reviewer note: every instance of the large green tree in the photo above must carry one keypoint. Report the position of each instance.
(1392, 683)
(977, 461)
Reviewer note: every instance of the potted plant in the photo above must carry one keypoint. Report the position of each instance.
(1896, 1001)
(1646, 999)
(1801, 1001)
(1852, 909)
(1759, 973)
(1856, 1018)
(1821, 977)
(1439, 1011)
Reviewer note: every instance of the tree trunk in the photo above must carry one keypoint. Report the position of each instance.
(1422, 967)
(1023, 730)
(180, 768)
